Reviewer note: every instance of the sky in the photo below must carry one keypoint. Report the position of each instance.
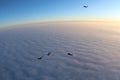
(23, 11)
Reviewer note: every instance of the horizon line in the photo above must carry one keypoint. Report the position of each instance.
(54, 21)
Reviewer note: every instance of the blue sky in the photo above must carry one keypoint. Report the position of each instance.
(18, 11)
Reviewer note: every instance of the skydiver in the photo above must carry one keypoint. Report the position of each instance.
(40, 58)
(70, 54)
(49, 53)
(85, 6)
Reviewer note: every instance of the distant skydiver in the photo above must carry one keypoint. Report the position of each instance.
(40, 58)
(85, 6)
(49, 53)
(70, 54)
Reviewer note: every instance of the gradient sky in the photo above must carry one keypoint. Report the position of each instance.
(21, 11)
